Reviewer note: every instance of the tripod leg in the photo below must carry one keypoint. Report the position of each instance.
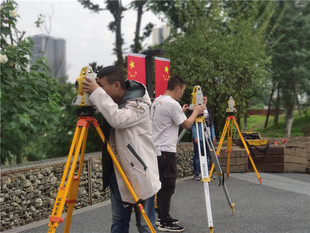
(229, 144)
(248, 152)
(202, 158)
(220, 145)
(55, 218)
(73, 193)
(125, 179)
(181, 135)
(218, 169)
(204, 174)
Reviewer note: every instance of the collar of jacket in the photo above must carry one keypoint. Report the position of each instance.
(134, 90)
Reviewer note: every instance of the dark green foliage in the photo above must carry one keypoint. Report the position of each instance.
(28, 96)
(57, 142)
(181, 14)
(291, 57)
(88, 4)
(226, 56)
(37, 119)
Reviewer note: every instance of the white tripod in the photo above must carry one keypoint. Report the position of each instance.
(206, 140)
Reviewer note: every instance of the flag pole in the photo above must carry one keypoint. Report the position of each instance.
(149, 69)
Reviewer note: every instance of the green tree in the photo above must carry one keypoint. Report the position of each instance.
(291, 57)
(136, 47)
(28, 96)
(182, 15)
(56, 142)
(222, 48)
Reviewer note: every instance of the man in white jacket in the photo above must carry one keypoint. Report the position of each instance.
(125, 106)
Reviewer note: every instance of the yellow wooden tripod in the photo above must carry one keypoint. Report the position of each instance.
(228, 128)
(68, 188)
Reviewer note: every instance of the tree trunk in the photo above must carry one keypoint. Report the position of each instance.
(245, 120)
(19, 158)
(118, 38)
(290, 111)
(298, 106)
(276, 110)
(245, 115)
(269, 106)
(289, 121)
(116, 9)
(137, 45)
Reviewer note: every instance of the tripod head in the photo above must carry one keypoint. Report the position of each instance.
(86, 111)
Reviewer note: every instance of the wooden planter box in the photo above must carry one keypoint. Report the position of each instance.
(238, 159)
(286, 158)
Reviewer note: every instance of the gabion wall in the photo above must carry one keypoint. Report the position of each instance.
(28, 191)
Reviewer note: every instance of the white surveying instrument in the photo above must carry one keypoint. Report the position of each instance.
(231, 105)
(197, 99)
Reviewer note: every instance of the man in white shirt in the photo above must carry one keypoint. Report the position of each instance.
(167, 115)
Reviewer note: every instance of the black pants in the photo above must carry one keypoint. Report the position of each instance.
(167, 174)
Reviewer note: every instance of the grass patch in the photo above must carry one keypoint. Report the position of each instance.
(256, 123)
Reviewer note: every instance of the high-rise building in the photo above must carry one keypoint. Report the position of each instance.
(160, 34)
(54, 50)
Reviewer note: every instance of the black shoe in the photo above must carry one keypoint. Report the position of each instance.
(170, 227)
(197, 177)
(172, 220)
(157, 222)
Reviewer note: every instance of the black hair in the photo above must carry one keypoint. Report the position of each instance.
(113, 74)
(175, 81)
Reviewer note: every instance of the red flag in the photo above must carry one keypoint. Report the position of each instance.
(162, 75)
(136, 68)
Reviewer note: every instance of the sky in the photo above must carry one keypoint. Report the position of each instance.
(87, 36)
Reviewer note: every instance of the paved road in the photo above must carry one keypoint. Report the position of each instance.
(281, 204)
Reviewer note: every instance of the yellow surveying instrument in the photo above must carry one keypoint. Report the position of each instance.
(197, 99)
(82, 99)
(68, 188)
(228, 128)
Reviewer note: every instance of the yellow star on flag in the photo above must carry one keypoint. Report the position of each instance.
(166, 69)
(132, 64)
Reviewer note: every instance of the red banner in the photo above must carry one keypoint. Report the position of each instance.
(136, 68)
(162, 75)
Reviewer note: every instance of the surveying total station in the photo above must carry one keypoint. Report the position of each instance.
(82, 99)
(197, 99)
(228, 128)
(69, 184)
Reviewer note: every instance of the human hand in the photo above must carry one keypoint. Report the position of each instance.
(89, 85)
(196, 140)
(198, 109)
(185, 107)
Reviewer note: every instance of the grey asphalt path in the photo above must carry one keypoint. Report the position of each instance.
(281, 204)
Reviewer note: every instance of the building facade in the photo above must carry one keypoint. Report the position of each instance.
(160, 34)
(54, 50)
